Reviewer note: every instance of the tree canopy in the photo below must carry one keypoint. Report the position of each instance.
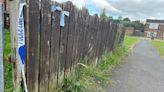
(137, 25)
(126, 19)
(103, 15)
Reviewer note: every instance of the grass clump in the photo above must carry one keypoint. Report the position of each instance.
(159, 45)
(97, 78)
(7, 65)
(130, 41)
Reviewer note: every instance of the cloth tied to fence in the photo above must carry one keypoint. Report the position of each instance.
(62, 15)
(21, 42)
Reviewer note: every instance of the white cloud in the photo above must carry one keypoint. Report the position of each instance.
(134, 9)
(103, 4)
(99, 4)
(151, 17)
(139, 9)
(78, 3)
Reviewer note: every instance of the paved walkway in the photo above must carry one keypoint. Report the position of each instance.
(143, 71)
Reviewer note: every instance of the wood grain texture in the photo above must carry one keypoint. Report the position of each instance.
(33, 46)
(45, 45)
(54, 57)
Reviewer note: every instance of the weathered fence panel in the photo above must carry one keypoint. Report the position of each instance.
(1, 50)
(53, 51)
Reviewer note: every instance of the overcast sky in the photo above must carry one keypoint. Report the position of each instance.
(134, 9)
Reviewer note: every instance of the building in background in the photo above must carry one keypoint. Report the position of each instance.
(154, 28)
(6, 12)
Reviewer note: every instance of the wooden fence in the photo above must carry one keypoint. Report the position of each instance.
(1, 50)
(54, 51)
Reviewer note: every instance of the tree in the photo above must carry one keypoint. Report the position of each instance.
(126, 19)
(110, 18)
(103, 15)
(137, 25)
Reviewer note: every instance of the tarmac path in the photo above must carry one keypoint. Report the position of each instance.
(142, 71)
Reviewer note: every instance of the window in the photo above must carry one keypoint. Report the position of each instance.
(153, 26)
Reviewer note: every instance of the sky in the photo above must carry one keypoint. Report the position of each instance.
(134, 9)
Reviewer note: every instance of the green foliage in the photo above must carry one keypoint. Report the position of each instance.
(95, 79)
(118, 20)
(8, 77)
(126, 19)
(7, 50)
(135, 24)
(7, 66)
(110, 18)
(103, 15)
(159, 45)
(129, 41)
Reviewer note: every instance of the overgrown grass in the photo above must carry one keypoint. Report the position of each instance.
(159, 45)
(7, 65)
(95, 79)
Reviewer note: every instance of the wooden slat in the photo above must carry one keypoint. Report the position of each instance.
(63, 44)
(114, 35)
(97, 40)
(55, 36)
(71, 37)
(86, 33)
(108, 38)
(75, 40)
(33, 46)
(84, 17)
(95, 32)
(78, 29)
(45, 45)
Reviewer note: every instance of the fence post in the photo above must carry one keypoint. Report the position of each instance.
(1, 50)
(13, 11)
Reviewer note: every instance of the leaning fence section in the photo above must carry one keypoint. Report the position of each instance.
(53, 51)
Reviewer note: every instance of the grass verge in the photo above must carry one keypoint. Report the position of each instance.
(159, 45)
(95, 79)
(7, 65)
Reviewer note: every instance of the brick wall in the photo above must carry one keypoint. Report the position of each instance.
(129, 30)
(1, 1)
(160, 33)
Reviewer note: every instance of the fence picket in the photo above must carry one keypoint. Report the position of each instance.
(33, 46)
(70, 42)
(45, 45)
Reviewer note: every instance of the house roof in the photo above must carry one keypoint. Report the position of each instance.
(154, 21)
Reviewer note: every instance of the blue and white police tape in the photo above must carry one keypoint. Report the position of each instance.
(62, 15)
(21, 42)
